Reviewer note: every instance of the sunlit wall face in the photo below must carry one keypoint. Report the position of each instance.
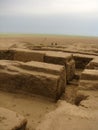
(75, 17)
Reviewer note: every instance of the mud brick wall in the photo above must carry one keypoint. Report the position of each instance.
(89, 80)
(47, 81)
(58, 58)
(21, 55)
(64, 59)
(27, 55)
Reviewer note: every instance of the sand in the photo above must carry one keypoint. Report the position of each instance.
(33, 108)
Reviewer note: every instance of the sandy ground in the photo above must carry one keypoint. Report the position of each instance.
(65, 43)
(33, 108)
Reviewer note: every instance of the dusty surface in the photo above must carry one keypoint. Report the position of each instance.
(68, 43)
(78, 44)
(35, 108)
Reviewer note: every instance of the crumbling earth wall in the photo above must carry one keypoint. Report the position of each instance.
(64, 59)
(34, 77)
(58, 58)
(89, 80)
(89, 77)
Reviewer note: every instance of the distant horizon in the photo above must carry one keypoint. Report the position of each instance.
(47, 34)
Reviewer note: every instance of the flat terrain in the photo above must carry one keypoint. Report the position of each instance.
(65, 43)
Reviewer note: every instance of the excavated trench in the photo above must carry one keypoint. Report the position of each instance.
(81, 63)
(71, 94)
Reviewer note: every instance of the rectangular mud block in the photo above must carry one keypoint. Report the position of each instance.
(88, 85)
(27, 55)
(64, 59)
(46, 68)
(89, 80)
(89, 74)
(57, 57)
(44, 82)
(21, 55)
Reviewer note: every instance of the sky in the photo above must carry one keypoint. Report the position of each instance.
(67, 17)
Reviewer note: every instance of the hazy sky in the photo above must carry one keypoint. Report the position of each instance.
(74, 17)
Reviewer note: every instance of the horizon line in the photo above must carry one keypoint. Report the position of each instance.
(49, 34)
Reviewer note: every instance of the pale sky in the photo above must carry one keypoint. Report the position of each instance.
(71, 17)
